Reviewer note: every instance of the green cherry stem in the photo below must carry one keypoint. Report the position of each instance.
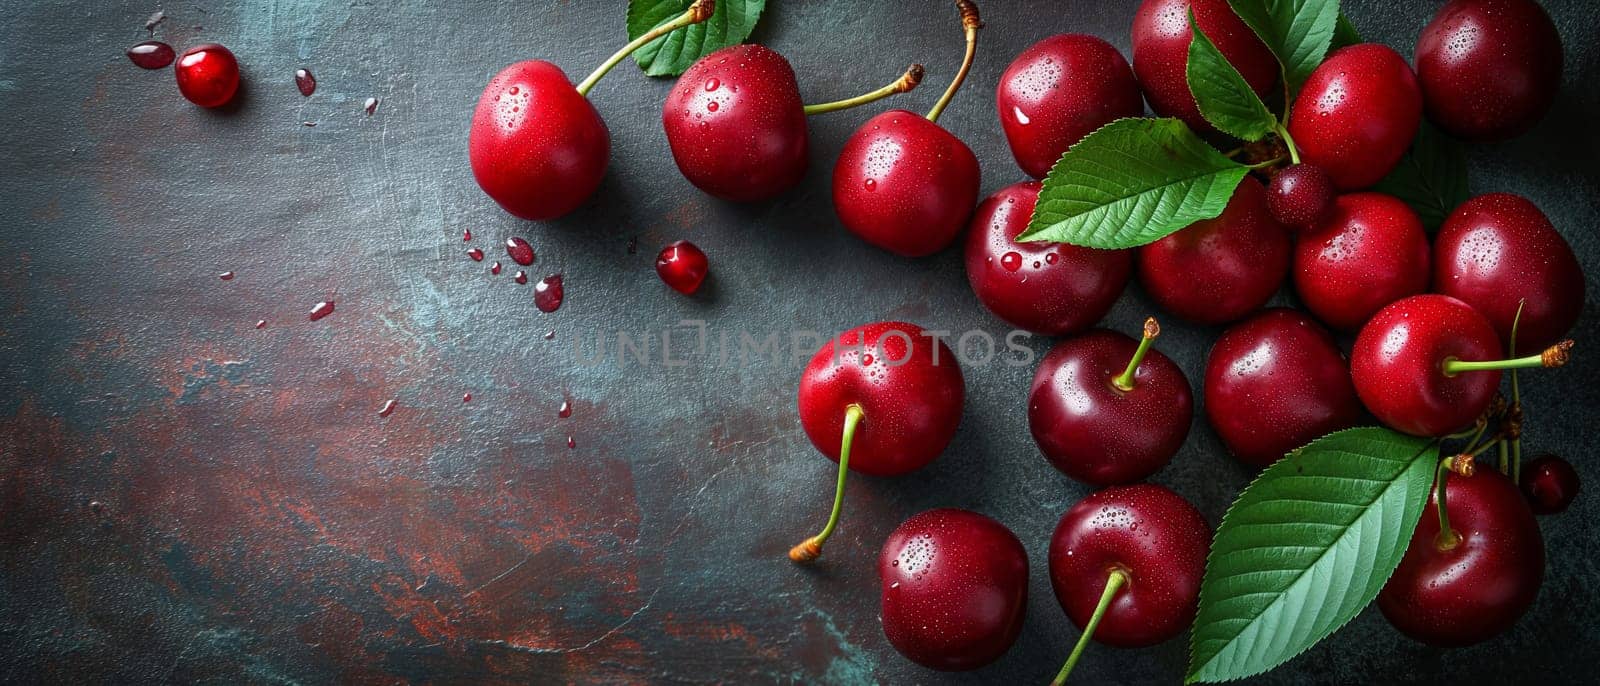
(904, 84)
(1114, 582)
(1124, 381)
(1288, 142)
(811, 548)
(700, 11)
(1553, 356)
(970, 23)
(1515, 410)
(1448, 538)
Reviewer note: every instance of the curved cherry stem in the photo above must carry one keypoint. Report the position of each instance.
(811, 548)
(1553, 356)
(1464, 465)
(698, 12)
(1114, 582)
(905, 84)
(1124, 381)
(970, 23)
(1515, 410)
(1288, 142)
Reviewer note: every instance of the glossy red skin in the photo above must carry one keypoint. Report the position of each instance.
(1398, 365)
(1057, 288)
(1161, 38)
(1221, 269)
(1497, 250)
(911, 408)
(1275, 382)
(752, 146)
(1550, 484)
(1059, 90)
(905, 184)
(1356, 115)
(1479, 588)
(955, 589)
(1151, 534)
(1097, 433)
(682, 266)
(1300, 196)
(1489, 69)
(543, 166)
(208, 75)
(1371, 251)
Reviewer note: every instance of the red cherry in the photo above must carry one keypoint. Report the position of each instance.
(882, 399)
(1047, 288)
(1550, 484)
(736, 124)
(1356, 115)
(1401, 369)
(1369, 252)
(1489, 69)
(1498, 252)
(1460, 589)
(1221, 269)
(1300, 196)
(955, 589)
(537, 145)
(682, 266)
(902, 182)
(1059, 90)
(208, 75)
(1106, 409)
(1276, 382)
(1161, 38)
(1126, 564)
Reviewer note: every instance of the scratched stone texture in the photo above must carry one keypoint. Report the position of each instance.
(185, 498)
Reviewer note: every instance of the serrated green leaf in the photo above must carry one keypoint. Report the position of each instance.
(1344, 33)
(1431, 178)
(1305, 547)
(1132, 182)
(1298, 32)
(675, 52)
(1225, 99)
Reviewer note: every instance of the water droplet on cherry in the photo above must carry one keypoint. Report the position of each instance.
(1012, 261)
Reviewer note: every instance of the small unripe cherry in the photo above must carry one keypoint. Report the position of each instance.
(1300, 195)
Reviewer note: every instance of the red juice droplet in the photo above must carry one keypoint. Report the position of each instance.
(321, 310)
(548, 293)
(521, 276)
(466, 397)
(565, 410)
(550, 334)
(305, 81)
(466, 235)
(151, 54)
(262, 324)
(226, 276)
(387, 409)
(494, 268)
(370, 106)
(475, 254)
(519, 250)
(571, 443)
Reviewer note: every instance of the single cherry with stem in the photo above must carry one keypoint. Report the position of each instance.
(1474, 564)
(208, 75)
(1106, 409)
(954, 589)
(882, 399)
(1047, 288)
(1059, 90)
(1550, 484)
(682, 266)
(902, 182)
(1219, 270)
(543, 164)
(1143, 548)
(737, 127)
(1429, 364)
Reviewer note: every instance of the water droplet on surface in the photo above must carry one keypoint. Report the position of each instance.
(466, 397)
(712, 84)
(387, 409)
(521, 277)
(494, 268)
(565, 410)
(466, 235)
(226, 276)
(550, 334)
(322, 309)
(548, 293)
(370, 106)
(151, 54)
(871, 185)
(573, 443)
(305, 81)
(261, 323)
(519, 250)
(711, 106)
(475, 254)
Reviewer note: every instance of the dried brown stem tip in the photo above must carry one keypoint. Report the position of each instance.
(969, 14)
(703, 9)
(1463, 464)
(1557, 355)
(911, 79)
(807, 551)
(1151, 327)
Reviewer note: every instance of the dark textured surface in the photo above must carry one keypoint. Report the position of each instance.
(185, 498)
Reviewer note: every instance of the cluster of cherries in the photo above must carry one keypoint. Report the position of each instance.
(1432, 323)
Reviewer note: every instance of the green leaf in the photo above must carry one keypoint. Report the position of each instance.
(1225, 98)
(1344, 32)
(1298, 32)
(1132, 182)
(673, 53)
(1306, 547)
(1431, 178)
